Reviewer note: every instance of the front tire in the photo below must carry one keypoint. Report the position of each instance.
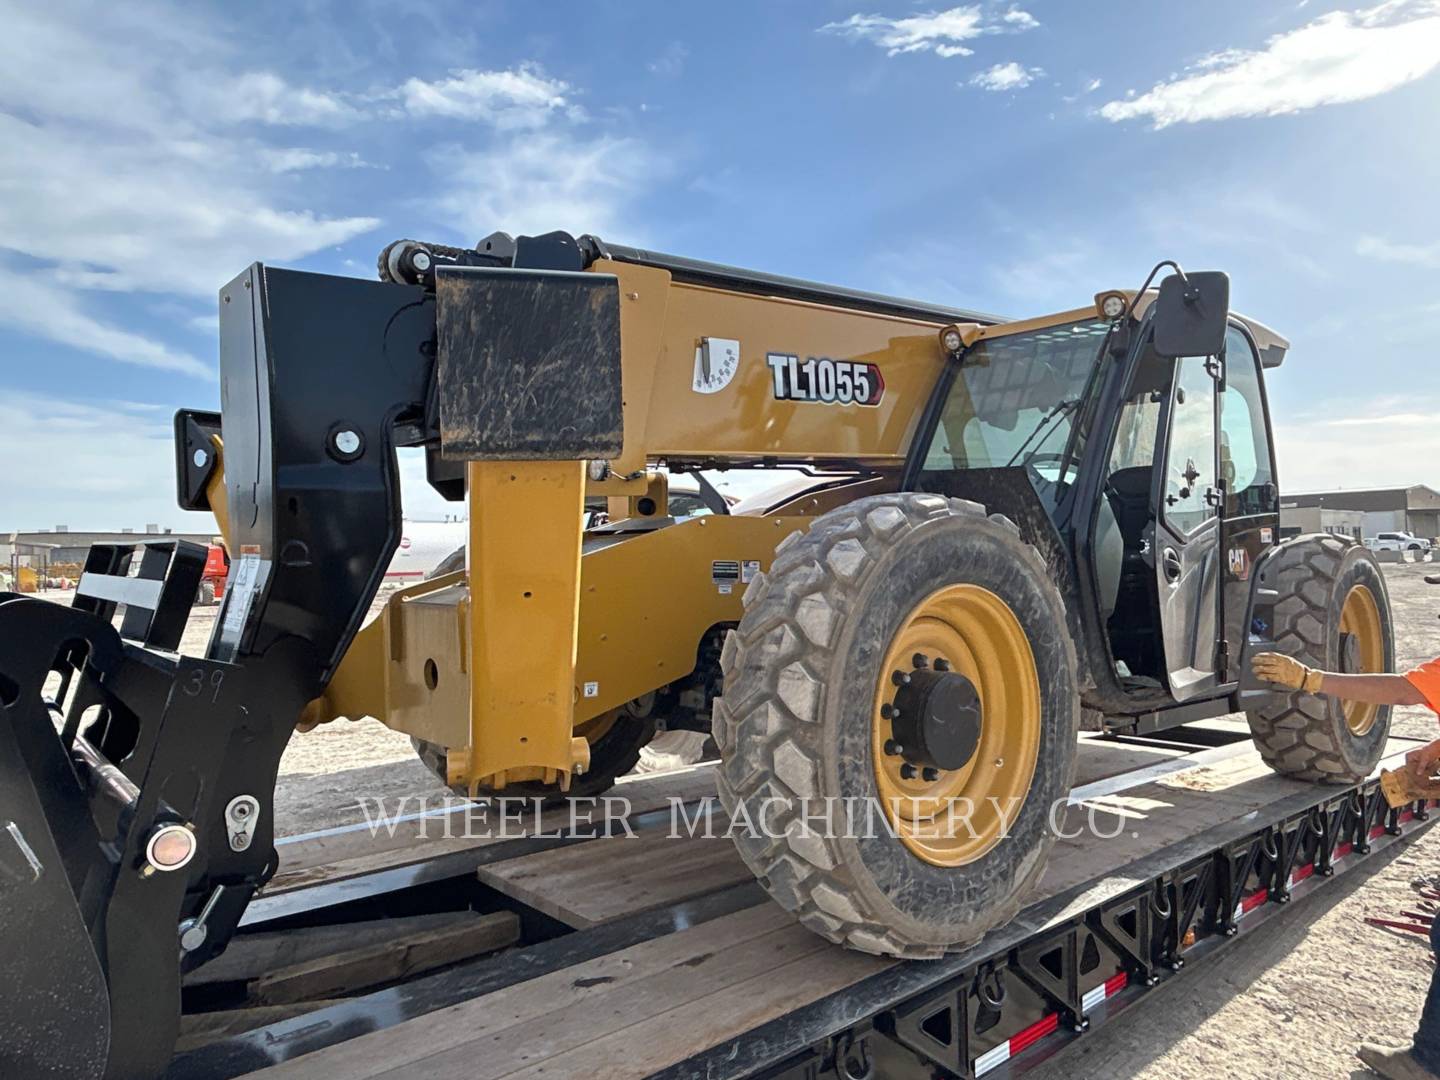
(807, 678)
(1334, 614)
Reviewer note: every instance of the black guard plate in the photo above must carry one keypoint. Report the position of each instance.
(529, 364)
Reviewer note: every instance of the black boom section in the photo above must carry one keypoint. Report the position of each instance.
(320, 374)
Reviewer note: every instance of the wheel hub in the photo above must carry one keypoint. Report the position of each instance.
(956, 725)
(1351, 662)
(936, 718)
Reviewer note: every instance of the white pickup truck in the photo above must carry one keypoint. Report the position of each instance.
(1397, 541)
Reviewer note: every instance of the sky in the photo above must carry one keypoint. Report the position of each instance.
(1014, 158)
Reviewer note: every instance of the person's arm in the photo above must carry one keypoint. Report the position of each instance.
(1371, 689)
(1380, 689)
(1419, 687)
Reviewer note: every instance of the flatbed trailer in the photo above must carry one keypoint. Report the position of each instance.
(598, 953)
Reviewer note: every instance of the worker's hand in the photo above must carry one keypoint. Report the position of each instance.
(1286, 671)
(1421, 761)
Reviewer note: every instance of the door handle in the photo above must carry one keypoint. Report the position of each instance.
(1170, 560)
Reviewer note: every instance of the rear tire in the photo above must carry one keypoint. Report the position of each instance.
(1312, 736)
(796, 722)
(612, 755)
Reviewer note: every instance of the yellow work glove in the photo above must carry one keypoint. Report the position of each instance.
(1286, 671)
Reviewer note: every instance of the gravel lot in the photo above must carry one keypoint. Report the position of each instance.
(1294, 1001)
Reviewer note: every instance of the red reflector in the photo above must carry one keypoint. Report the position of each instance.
(1116, 983)
(1254, 900)
(1033, 1033)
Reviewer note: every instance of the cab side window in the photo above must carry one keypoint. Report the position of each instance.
(1190, 466)
(1245, 462)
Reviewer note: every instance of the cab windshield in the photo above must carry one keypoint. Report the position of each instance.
(1015, 400)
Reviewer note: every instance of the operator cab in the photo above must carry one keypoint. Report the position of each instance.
(1146, 477)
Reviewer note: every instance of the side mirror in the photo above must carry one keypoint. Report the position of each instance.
(1191, 314)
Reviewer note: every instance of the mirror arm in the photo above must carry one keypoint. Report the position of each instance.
(1191, 294)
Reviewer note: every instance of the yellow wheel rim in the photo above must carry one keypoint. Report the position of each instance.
(1360, 619)
(956, 816)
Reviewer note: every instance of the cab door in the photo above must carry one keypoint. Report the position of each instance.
(1187, 529)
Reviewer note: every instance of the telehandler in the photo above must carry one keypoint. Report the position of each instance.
(1003, 528)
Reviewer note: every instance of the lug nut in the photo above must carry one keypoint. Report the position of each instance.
(888, 711)
(941, 664)
(919, 660)
(893, 748)
(900, 678)
(907, 771)
(930, 775)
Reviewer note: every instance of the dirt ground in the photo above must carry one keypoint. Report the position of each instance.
(1294, 1001)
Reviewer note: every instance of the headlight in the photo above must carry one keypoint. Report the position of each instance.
(1113, 305)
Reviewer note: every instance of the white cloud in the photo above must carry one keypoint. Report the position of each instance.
(267, 98)
(1375, 445)
(1342, 56)
(941, 32)
(523, 97)
(540, 182)
(1008, 76)
(296, 158)
(124, 213)
(1424, 255)
(126, 174)
(39, 307)
(1401, 419)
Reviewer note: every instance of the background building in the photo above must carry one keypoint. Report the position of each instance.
(60, 545)
(1295, 520)
(1414, 509)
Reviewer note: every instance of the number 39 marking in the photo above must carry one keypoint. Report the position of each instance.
(194, 685)
(825, 381)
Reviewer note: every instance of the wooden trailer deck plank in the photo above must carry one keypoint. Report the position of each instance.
(340, 854)
(600, 881)
(578, 989)
(642, 1048)
(603, 880)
